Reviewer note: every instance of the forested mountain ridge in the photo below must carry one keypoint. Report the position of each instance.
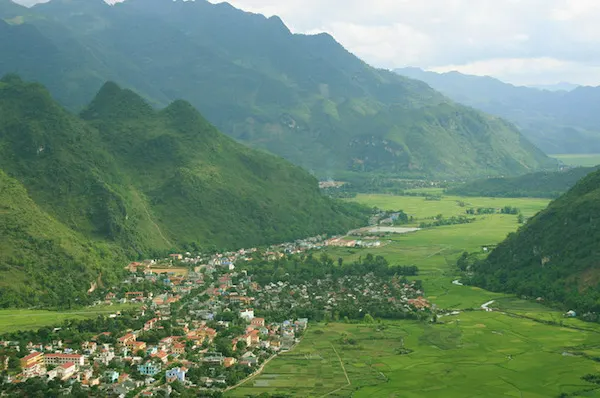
(555, 121)
(302, 97)
(555, 255)
(125, 180)
(543, 184)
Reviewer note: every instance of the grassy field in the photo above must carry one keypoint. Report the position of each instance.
(579, 159)
(15, 320)
(421, 208)
(474, 354)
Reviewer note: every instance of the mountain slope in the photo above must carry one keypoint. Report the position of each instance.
(42, 262)
(555, 121)
(302, 97)
(140, 181)
(544, 184)
(556, 255)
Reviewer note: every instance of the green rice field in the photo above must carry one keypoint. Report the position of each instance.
(473, 354)
(15, 320)
(586, 160)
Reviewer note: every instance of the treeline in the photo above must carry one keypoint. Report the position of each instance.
(298, 269)
(493, 210)
(545, 184)
(441, 221)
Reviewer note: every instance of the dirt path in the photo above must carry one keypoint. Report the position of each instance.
(151, 219)
(345, 374)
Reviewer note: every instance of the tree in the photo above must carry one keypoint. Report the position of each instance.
(521, 218)
(368, 319)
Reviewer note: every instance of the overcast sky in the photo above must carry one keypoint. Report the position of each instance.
(519, 41)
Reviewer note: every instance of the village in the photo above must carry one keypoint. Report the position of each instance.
(201, 322)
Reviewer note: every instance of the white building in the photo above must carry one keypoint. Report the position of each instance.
(247, 314)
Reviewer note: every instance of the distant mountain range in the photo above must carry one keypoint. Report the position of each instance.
(555, 121)
(302, 97)
(563, 86)
(80, 195)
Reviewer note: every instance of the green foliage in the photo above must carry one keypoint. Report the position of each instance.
(80, 196)
(535, 185)
(555, 255)
(555, 121)
(303, 97)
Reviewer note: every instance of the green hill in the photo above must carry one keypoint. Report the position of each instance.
(556, 255)
(43, 262)
(544, 184)
(556, 121)
(137, 181)
(303, 97)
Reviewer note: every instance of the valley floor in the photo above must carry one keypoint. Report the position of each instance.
(521, 349)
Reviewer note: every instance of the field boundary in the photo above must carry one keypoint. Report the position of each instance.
(345, 374)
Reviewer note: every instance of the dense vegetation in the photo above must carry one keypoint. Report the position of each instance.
(554, 256)
(545, 184)
(299, 269)
(555, 121)
(81, 195)
(302, 97)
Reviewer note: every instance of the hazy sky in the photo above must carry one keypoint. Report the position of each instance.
(520, 41)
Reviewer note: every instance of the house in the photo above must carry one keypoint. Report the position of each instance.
(127, 339)
(123, 377)
(175, 374)
(177, 257)
(134, 296)
(248, 359)
(150, 324)
(105, 356)
(62, 359)
(162, 356)
(149, 369)
(34, 369)
(66, 371)
(571, 314)
(257, 322)
(178, 349)
(229, 362)
(247, 314)
(32, 359)
(89, 347)
(110, 376)
(110, 297)
(214, 359)
(138, 346)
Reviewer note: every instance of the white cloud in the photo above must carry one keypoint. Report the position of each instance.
(529, 71)
(516, 38)
(527, 41)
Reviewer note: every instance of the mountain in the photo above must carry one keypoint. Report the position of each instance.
(543, 184)
(555, 121)
(303, 97)
(562, 86)
(43, 262)
(123, 181)
(556, 255)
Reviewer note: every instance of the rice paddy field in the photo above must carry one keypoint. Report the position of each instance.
(586, 160)
(523, 349)
(15, 320)
(473, 354)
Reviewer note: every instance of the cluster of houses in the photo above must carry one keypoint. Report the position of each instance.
(222, 328)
